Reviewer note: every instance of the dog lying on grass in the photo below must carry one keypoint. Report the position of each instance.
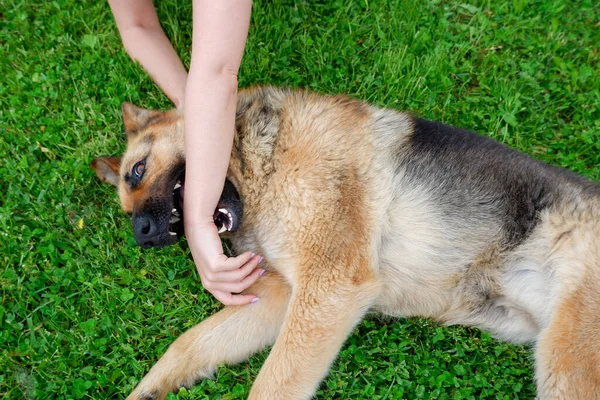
(357, 209)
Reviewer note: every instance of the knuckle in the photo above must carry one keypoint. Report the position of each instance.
(243, 285)
(224, 301)
(251, 281)
(253, 277)
(235, 277)
(235, 288)
(241, 274)
(228, 302)
(211, 276)
(212, 268)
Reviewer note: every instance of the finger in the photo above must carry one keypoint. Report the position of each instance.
(233, 263)
(220, 272)
(238, 274)
(235, 287)
(234, 299)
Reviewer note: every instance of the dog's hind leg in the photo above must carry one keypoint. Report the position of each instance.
(230, 336)
(568, 351)
(322, 313)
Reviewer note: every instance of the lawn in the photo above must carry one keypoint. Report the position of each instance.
(84, 312)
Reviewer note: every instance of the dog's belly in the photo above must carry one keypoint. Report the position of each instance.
(514, 306)
(452, 270)
(420, 259)
(417, 281)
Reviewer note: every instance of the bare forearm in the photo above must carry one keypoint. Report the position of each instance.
(209, 127)
(220, 30)
(152, 49)
(145, 41)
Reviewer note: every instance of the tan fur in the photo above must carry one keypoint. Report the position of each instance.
(345, 228)
(568, 352)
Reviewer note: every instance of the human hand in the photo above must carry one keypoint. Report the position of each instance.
(224, 277)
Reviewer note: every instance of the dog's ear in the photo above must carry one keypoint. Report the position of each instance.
(135, 118)
(107, 169)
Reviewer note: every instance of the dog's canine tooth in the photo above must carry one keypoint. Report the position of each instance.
(229, 223)
(172, 233)
(177, 186)
(174, 219)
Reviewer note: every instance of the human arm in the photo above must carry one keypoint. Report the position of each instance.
(220, 29)
(145, 41)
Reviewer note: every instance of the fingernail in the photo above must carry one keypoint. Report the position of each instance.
(262, 271)
(260, 259)
(253, 254)
(254, 300)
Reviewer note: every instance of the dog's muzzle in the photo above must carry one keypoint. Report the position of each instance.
(160, 222)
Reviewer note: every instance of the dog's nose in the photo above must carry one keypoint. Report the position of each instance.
(144, 229)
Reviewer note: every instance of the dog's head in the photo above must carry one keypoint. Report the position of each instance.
(150, 178)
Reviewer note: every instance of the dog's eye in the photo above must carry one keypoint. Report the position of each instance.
(139, 168)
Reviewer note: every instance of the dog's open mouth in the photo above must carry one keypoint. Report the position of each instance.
(227, 216)
(223, 220)
(176, 219)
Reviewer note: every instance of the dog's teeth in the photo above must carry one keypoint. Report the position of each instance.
(177, 186)
(174, 219)
(229, 224)
(172, 233)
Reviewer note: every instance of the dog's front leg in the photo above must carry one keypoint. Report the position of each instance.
(322, 313)
(230, 336)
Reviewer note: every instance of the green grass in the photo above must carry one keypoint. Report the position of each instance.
(84, 312)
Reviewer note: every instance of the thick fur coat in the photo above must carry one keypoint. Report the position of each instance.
(356, 209)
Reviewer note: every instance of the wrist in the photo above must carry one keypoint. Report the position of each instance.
(199, 222)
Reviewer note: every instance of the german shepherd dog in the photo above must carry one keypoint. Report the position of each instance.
(356, 209)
